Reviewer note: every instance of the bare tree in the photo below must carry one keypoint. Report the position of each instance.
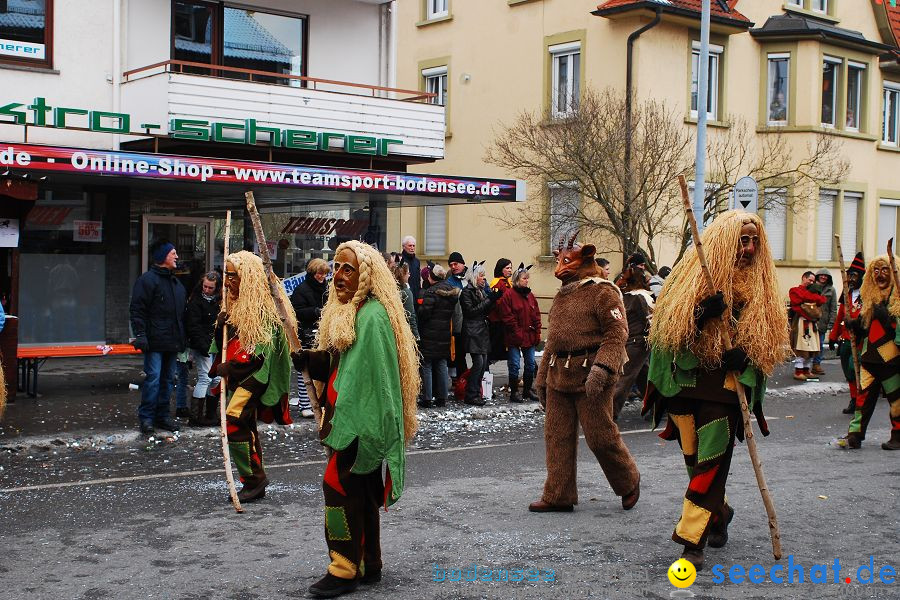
(584, 154)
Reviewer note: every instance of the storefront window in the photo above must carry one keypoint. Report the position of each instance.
(26, 32)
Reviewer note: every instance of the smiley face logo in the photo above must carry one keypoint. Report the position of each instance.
(682, 573)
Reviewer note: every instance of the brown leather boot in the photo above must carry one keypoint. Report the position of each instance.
(542, 506)
(894, 443)
(694, 556)
(818, 370)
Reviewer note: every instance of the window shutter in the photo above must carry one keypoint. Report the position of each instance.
(825, 225)
(776, 227)
(435, 230)
(849, 219)
(887, 226)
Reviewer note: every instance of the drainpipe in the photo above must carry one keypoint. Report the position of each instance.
(117, 65)
(626, 211)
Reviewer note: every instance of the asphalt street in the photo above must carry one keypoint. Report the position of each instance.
(100, 512)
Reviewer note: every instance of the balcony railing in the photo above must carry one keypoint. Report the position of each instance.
(253, 75)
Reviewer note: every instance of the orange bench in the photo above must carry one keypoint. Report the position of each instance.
(31, 358)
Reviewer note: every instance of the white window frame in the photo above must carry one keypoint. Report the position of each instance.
(573, 75)
(825, 219)
(860, 69)
(850, 230)
(556, 223)
(822, 3)
(436, 9)
(881, 241)
(715, 58)
(837, 63)
(798, 3)
(785, 56)
(436, 83)
(889, 89)
(434, 219)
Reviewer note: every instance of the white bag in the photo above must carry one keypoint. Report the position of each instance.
(487, 385)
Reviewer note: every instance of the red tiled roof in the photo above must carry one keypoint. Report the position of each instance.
(893, 13)
(691, 5)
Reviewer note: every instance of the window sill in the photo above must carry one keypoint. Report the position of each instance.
(816, 129)
(888, 147)
(546, 258)
(811, 13)
(28, 68)
(516, 2)
(434, 21)
(807, 264)
(710, 122)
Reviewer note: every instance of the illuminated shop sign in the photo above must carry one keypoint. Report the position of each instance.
(249, 132)
(163, 167)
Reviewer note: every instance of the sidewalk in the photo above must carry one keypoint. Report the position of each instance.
(83, 398)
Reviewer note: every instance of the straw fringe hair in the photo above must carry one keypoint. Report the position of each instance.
(2, 391)
(337, 326)
(254, 314)
(762, 329)
(872, 295)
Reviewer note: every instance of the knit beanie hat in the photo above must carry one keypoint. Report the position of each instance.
(501, 264)
(636, 259)
(426, 272)
(161, 252)
(456, 257)
(858, 264)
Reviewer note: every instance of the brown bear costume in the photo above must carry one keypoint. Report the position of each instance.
(576, 381)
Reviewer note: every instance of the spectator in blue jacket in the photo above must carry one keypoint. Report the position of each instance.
(157, 312)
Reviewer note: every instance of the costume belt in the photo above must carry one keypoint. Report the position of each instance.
(567, 354)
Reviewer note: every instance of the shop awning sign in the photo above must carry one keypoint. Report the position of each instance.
(164, 167)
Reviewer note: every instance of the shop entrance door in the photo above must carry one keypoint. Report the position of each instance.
(192, 238)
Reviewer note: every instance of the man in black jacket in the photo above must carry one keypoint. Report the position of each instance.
(157, 310)
(408, 256)
(200, 323)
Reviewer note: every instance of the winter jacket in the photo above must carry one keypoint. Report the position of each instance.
(200, 322)
(458, 281)
(439, 312)
(829, 309)
(415, 273)
(656, 285)
(475, 305)
(157, 310)
(501, 284)
(521, 317)
(799, 295)
(308, 299)
(410, 308)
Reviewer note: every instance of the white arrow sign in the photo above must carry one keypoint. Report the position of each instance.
(745, 195)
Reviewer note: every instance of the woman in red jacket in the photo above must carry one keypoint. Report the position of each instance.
(522, 328)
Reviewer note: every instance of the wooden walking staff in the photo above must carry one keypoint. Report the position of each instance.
(847, 304)
(893, 261)
(274, 282)
(741, 392)
(226, 454)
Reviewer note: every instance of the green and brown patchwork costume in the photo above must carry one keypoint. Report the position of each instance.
(362, 422)
(879, 370)
(258, 385)
(705, 418)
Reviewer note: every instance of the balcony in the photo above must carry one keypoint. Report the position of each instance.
(159, 93)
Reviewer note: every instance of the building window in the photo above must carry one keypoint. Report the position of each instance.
(819, 6)
(235, 37)
(887, 222)
(565, 205)
(831, 68)
(775, 220)
(435, 9)
(777, 89)
(795, 3)
(825, 224)
(436, 83)
(435, 231)
(890, 116)
(850, 207)
(715, 60)
(854, 94)
(565, 78)
(26, 32)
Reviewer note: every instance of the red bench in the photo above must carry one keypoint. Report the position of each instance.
(31, 358)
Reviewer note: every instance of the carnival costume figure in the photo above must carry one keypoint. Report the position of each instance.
(257, 366)
(839, 338)
(690, 371)
(582, 360)
(366, 359)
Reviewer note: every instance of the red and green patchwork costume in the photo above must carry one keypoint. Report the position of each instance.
(840, 332)
(258, 385)
(362, 422)
(705, 418)
(879, 370)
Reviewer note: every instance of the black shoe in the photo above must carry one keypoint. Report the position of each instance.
(183, 413)
(253, 494)
(850, 409)
(425, 404)
(694, 556)
(371, 576)
(440, 402)
(147, 428)
(718, 532)
(331, 586)
(168, 424)
(475, 401)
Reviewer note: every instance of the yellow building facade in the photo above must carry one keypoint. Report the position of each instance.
(805, 66)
